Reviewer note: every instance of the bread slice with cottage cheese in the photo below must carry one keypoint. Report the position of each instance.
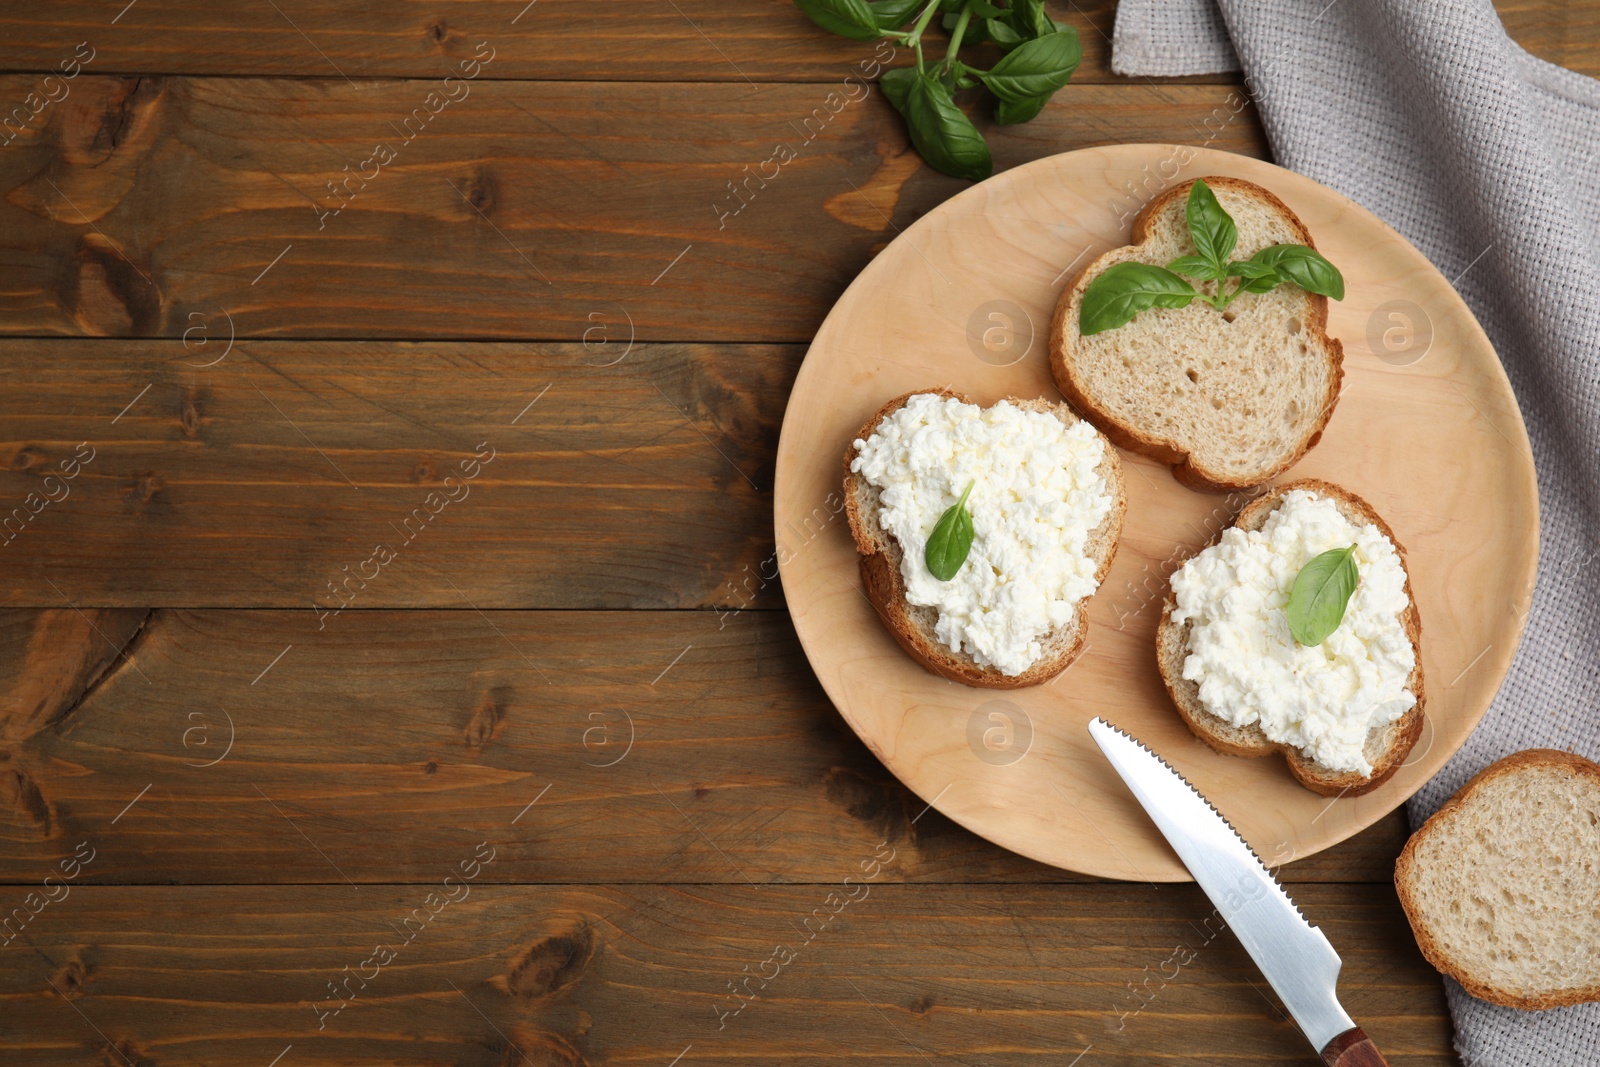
(914, 626)
(1499, 884)
(1386, 745)
(1230, 399)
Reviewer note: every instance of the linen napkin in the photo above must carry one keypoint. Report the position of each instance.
(1488, 160)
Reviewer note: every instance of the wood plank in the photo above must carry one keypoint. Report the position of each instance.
(610, 40)
(260, 480)
(639, 975)
(381, 747)
(570, 40)
(1564, 32)
(151, 207)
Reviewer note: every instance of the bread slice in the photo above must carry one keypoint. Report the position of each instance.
(913, 626)
(1386, 747)
(1230, 398)
(1500, 884)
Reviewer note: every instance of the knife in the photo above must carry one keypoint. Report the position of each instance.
(1294, 956)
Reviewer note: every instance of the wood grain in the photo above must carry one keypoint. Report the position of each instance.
(908, 323)
(1353, 1048)
(638, 975)
(623, 476)
(1564, 32)
(175, 195)
(152, 206)
(566, 40)
(376, 748)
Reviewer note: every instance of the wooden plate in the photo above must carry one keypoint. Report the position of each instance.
(1427, 430)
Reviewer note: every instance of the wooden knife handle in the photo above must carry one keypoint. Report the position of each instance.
(1353, 1048)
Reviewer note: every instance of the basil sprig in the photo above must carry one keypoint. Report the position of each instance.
(1040, 56)
(1118, 294)
(951, 539)
(1320, 594)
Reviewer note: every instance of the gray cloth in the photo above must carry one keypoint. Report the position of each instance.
(1488, 160)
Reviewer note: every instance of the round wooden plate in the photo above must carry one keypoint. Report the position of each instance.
(1426, 429)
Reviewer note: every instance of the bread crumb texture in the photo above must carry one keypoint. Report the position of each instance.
(1503, 885)
(1241, 393)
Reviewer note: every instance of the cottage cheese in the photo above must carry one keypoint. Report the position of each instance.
(1037, 495)
(1325, 699)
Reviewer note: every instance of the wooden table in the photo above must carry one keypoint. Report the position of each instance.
(392, 671)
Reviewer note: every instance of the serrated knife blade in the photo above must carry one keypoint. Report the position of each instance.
(1295, 956)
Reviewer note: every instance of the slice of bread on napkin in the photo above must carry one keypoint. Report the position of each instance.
(1502, 884)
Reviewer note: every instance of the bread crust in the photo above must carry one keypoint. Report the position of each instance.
(1184, 467)
(1405, 871)
(1172, 643)
(885, 588)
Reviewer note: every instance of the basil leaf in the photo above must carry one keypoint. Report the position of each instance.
(942, 133)
(1254, 277)
(979, 10)
(1210, 226)
(896, 86)
(950, 540)
(1029, 19)
(1305, 267)
(1321, 592)
(892, 14)
(1003, 34)
(847, 18)
(1035, 68)
(1124, 290)
(1248, 269)
(1010, 112)
(1196, 267)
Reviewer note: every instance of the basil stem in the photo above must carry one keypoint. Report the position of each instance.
(955, 36)
(922, 24)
